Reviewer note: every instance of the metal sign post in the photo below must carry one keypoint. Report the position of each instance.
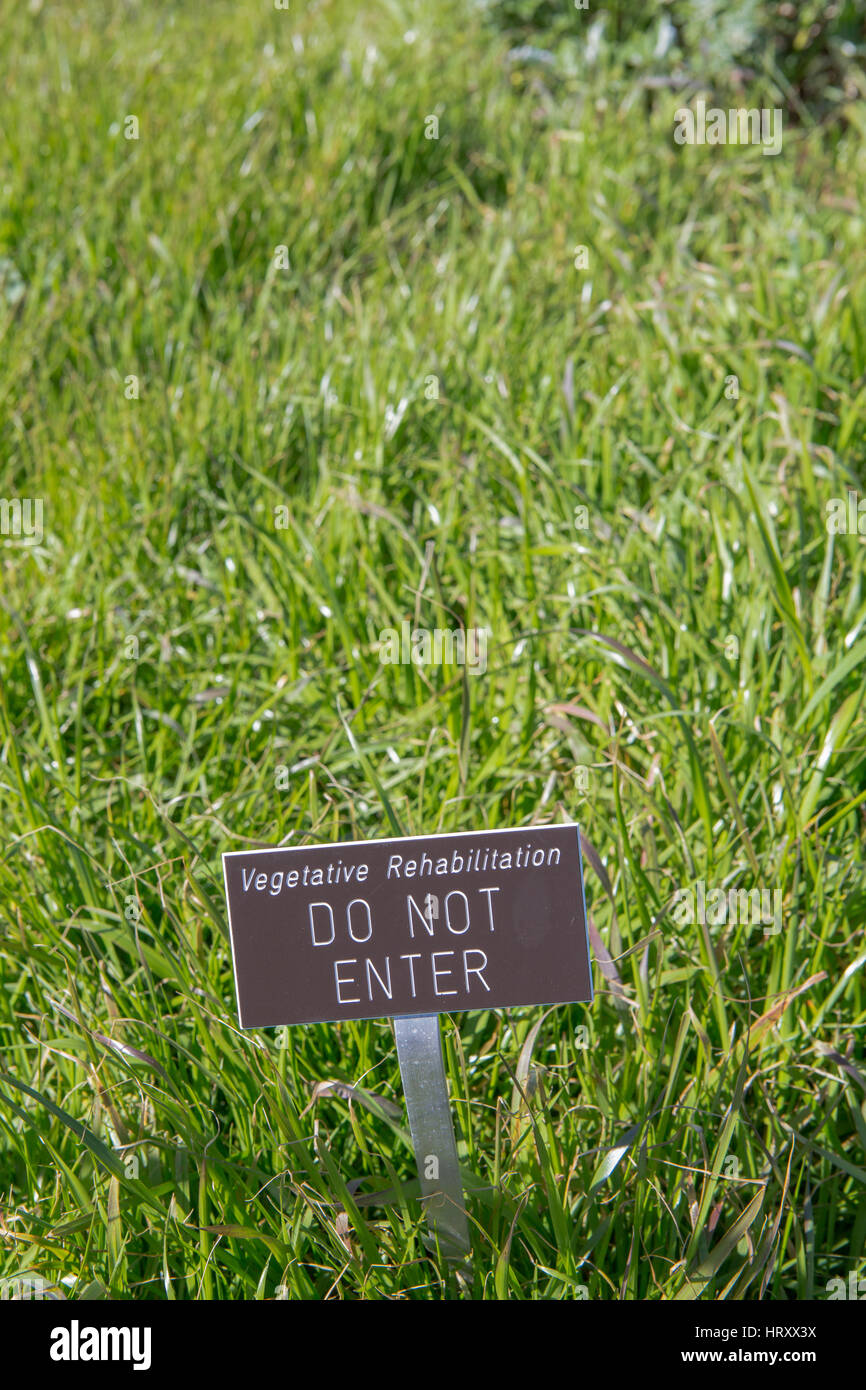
(419, 1052)
(411, 927)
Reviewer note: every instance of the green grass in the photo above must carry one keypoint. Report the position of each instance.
(698, 650)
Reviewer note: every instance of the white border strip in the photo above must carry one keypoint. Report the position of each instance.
(399, 839)
(232, 940)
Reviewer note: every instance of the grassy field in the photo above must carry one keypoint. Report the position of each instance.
(429, 405)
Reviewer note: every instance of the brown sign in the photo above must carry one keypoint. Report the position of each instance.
(431, 924)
